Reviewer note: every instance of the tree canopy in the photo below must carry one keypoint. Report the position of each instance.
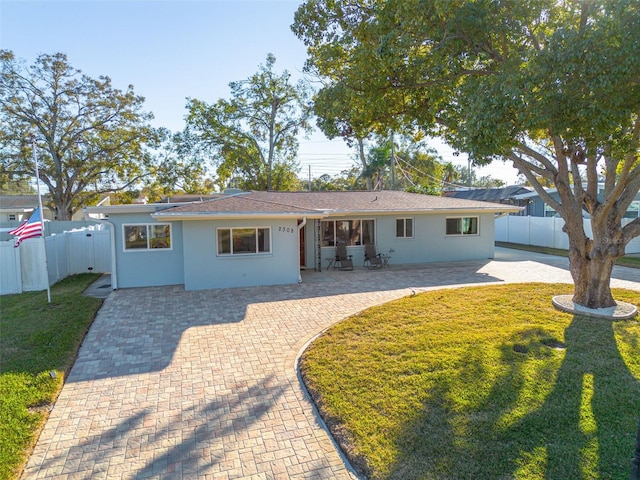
(91, 137)
(552, 86)
(253, 136)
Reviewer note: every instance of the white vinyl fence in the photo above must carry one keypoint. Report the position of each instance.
(543, 232)
(22, 269)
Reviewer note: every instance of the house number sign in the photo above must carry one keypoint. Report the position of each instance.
(286, 229)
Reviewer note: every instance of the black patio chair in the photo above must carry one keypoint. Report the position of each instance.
(372, 259)
(343, 259)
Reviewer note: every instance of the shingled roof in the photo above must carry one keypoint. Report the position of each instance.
(18, 201)
(322, 204)
(490, 194)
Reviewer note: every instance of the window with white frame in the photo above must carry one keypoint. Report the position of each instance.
(144, 236)
(349, 232)
(549, 211)
(633, 211)
(462, 226)
(404, 227)
(244, 241)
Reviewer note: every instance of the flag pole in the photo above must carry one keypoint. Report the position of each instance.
(44, 242)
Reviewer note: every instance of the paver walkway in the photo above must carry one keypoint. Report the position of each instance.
(175, 384)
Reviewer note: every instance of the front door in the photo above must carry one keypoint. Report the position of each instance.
(303, 262)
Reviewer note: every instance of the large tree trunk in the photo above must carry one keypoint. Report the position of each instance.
(365, 167)
(63, 210)
(591, 278)
(592, 260)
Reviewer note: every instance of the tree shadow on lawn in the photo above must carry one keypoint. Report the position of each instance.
(583, 425)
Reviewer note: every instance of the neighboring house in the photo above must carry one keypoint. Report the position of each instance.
(537, 207)
(507, 195)
(18, 208)
(15, 209)
(265, 238)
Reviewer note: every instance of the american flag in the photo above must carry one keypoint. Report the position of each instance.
(29, 229)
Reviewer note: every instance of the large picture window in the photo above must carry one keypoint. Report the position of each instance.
(147, 236)
(244, 241)
(462, 226)
(404, 227)
(349, 232)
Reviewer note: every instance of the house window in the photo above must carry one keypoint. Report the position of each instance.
(244, 241)
(462, 226)
(404, 227)
(147, 236)
(349, 232)
(633, 210)
(549, 211)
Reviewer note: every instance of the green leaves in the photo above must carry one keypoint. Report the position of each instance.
(253, 136)
(552, 86)
(91, 137)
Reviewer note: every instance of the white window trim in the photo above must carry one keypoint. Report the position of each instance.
(361, 219)
(549, 211)
(413, 227)
(244, 255)
(463, 234)
(148, 249)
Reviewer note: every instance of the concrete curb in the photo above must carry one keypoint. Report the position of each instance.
(622, 311)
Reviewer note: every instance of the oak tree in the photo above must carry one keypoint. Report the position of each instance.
(553, 86)
(91, 138)
(253, 136)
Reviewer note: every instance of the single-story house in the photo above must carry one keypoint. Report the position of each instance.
(535, 206)
(17, 208)
(265, 238)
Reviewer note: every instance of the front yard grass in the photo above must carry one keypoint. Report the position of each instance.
(36, 339)
(484, 382)
(632, 261)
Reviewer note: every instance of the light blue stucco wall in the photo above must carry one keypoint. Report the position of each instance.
(204, 269)
(193, 260)
(147, 268)
(429, 244)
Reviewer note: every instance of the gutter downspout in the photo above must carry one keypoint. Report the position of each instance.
(300, 227)
(112, 235)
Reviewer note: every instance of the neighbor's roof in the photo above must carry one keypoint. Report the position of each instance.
(490, 194)
(18, 202)
(324, 204)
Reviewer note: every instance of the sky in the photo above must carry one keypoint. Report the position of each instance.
(172, 50)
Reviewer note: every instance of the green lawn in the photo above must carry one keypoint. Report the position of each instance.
(482, 382)
(36, 339)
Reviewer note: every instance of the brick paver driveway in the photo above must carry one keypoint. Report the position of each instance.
(175, 384)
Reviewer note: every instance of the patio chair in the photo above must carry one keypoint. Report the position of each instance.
(371, 258)
(343, 260)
